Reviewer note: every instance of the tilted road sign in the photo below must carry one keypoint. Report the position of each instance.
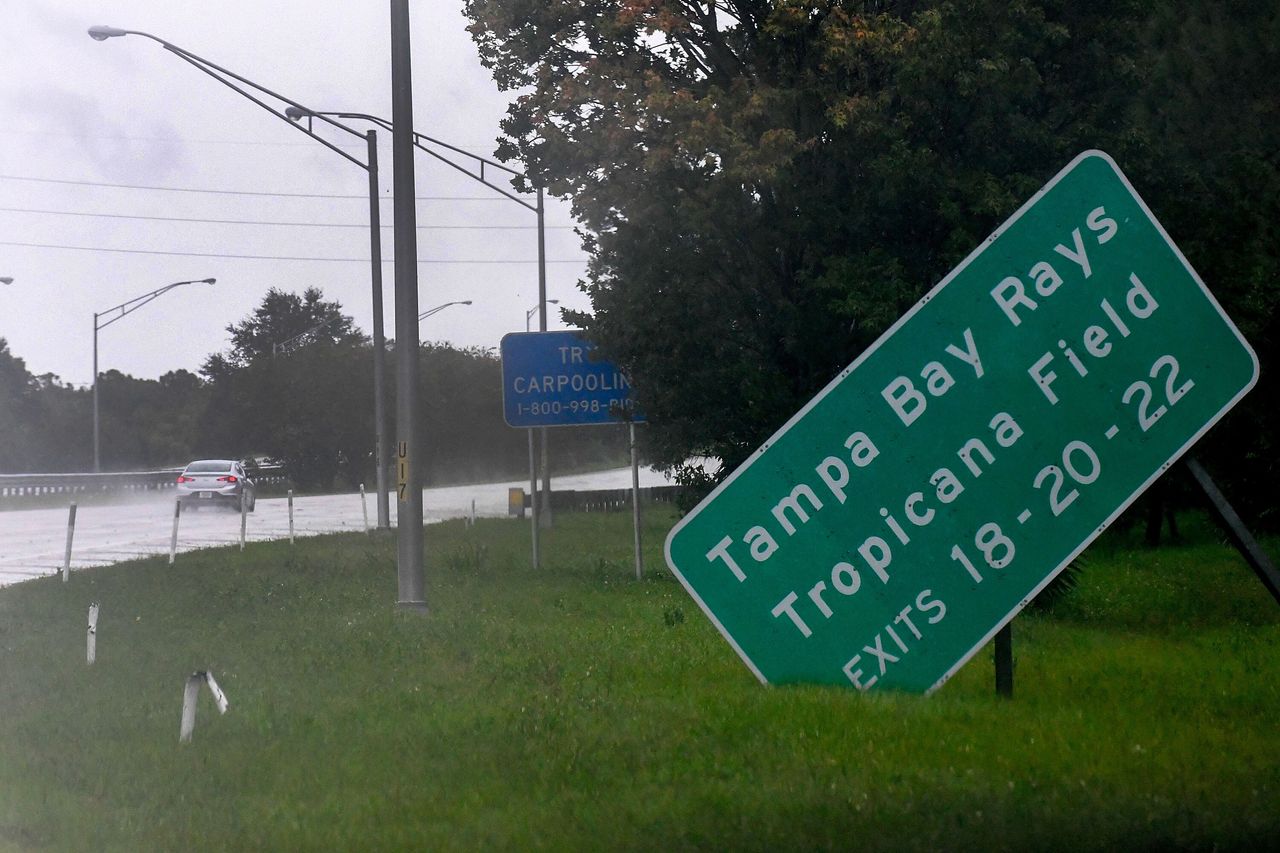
(920, 500)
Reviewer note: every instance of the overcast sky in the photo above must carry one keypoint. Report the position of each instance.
(127, 112)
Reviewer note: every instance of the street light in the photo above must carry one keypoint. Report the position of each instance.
(217, 72)
(280, 347)
(6, 280)
(436, 310)
(528, 315)
(420, 141)
(125, 308)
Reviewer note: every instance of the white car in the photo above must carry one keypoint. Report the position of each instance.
(216, 482)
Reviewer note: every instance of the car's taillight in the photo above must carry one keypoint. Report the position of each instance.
(230, 478)
(186, 479)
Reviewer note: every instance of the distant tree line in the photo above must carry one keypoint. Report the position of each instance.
(295, 386)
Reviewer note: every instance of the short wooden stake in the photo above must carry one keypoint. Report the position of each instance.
(364, 507)
(291, 516)
(71, 535)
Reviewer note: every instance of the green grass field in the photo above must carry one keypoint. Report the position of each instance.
(576, 708)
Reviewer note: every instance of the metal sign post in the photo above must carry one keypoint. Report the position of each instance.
(635, 498)
(931, 490)
(557, 379)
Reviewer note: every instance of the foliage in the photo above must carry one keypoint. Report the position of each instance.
(766, 186)
(18, 421)
(289, 388)
(1207, 131)
(283, 323)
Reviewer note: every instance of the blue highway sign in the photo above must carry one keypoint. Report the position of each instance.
(556, 379)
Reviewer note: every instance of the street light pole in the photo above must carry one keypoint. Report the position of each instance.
(545, 518)
(379, 339)
(410, 580)
(226, 77)
(420, 140)
(528, 315)
(125, 308)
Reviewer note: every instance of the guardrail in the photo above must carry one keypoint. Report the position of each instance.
(594, 500)
(38, 485)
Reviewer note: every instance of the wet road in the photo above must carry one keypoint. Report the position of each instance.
(33, 542)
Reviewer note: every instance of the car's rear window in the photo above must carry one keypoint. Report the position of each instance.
(208, 467)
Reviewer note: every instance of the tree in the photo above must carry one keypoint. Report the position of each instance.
(294, 386)
(1208, 122)
(766, 186)
(284, 321)
(18, 424)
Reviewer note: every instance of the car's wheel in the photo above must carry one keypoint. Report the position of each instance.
(253, 500)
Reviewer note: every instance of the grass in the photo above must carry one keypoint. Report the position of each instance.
(576, 708)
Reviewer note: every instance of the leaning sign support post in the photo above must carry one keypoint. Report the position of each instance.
(557, 379)
(900, 519)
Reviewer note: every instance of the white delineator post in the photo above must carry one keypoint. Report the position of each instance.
(291, 516)
(364, 508)
(71, 535)
(190, 694)
(173, 541)
(91, 638)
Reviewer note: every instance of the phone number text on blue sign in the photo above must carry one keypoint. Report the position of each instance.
(556, 379)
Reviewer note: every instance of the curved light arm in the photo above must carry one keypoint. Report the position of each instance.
(436, 310)
(317, 327)
(6, 280)
(528, 315)
(127, 308)
(419, 142)
(217, 72)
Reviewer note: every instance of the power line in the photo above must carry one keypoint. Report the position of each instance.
(233, 192)
(255, 142)
(273, 222)
(171, 139)
(229, 256)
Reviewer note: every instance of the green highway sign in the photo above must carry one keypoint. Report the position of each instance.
(919, 501)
